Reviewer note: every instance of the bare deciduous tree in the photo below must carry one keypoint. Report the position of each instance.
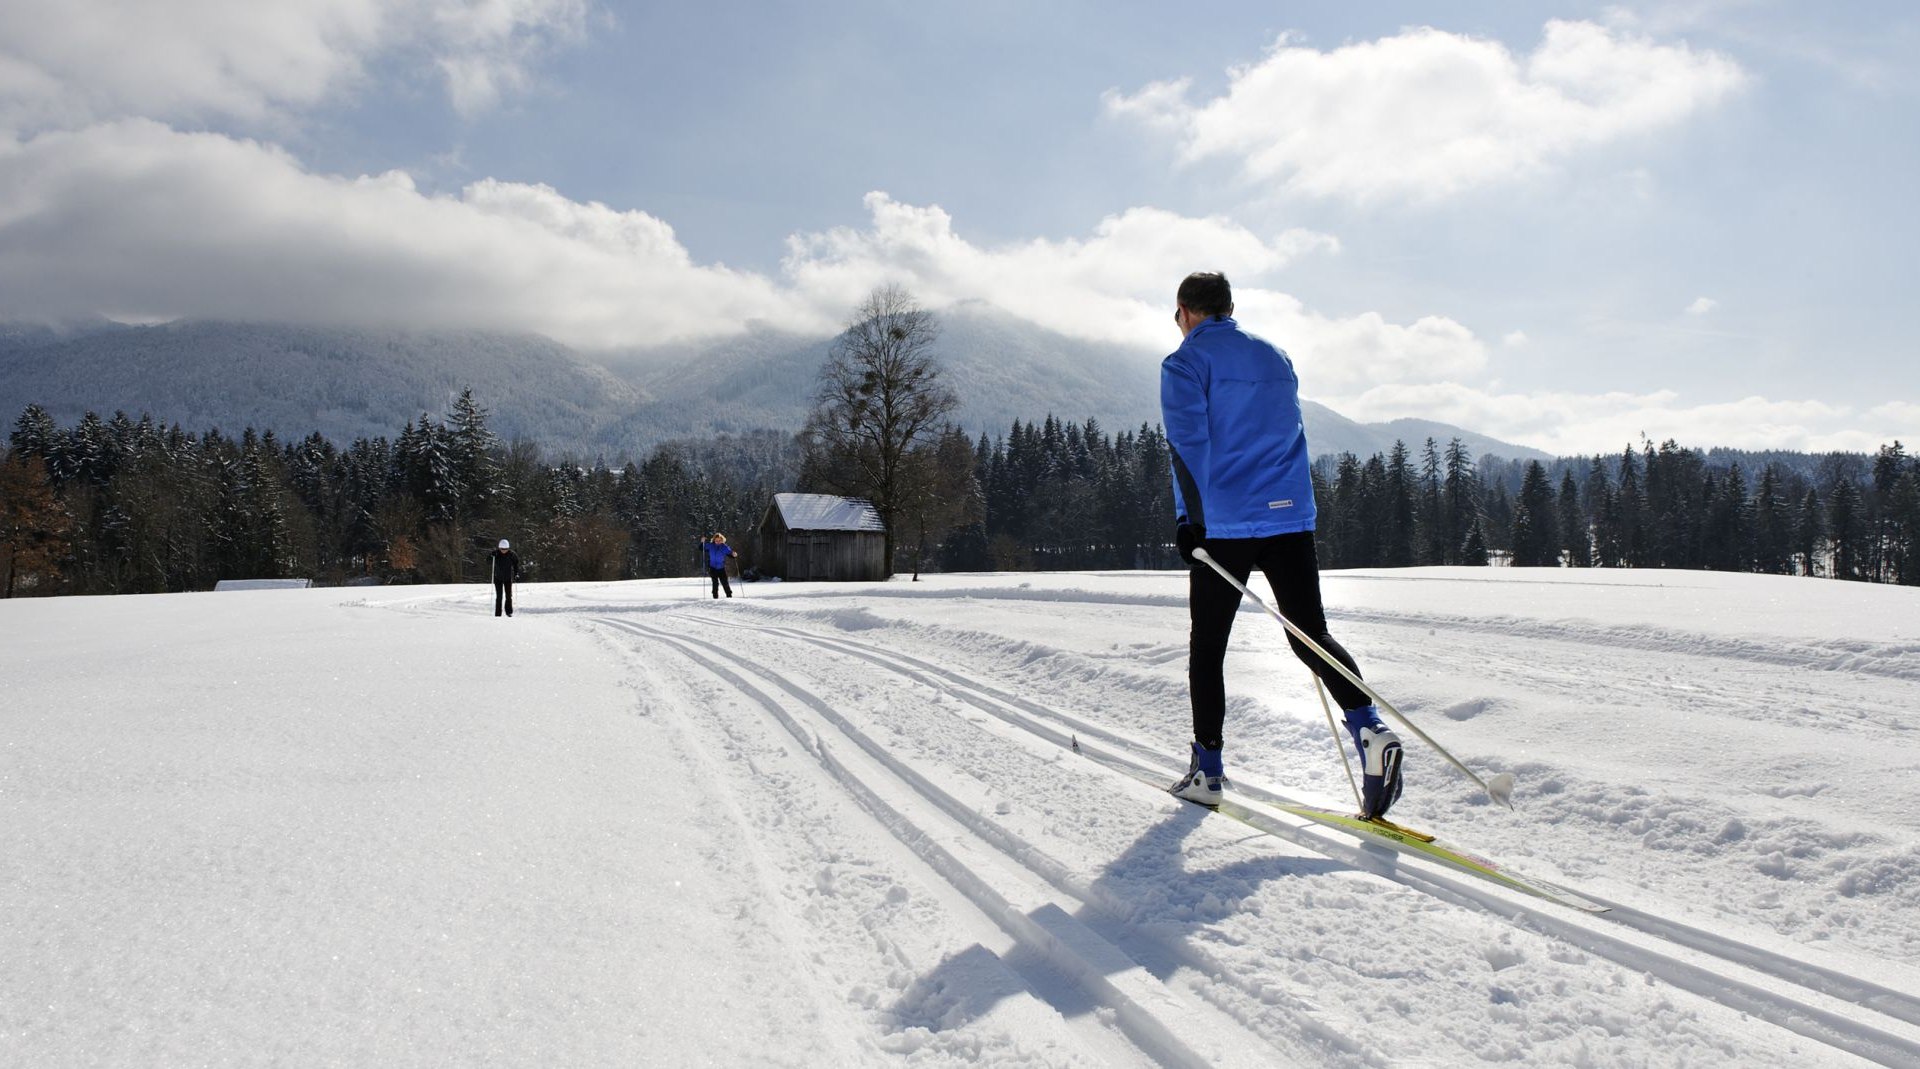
(880, 396)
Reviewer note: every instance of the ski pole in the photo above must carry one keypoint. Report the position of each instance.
(1339, 744)
(1500, 789)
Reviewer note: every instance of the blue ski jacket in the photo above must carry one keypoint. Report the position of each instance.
(1231, 407)
(717, 554)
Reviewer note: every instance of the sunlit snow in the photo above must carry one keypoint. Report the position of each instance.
(823, 824)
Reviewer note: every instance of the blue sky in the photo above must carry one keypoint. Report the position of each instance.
(1563, 224)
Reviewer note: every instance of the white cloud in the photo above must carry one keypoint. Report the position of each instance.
(1115, 285)
(1428, 114)
(1898, 414)
(79, 61)
(1701, 306)
(486, 48)
(1340, 356)
(136, 220)
(1872, 56)
(1515, 339)
(1573, 424)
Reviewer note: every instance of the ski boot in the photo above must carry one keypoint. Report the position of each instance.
(1205, 779)
(1380, 754)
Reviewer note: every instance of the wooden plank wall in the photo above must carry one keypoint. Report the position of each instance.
(819, 556)
(832, 556)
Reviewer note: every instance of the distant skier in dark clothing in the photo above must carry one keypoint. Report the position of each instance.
(1243, 490)
(506, 568)
(717, 553)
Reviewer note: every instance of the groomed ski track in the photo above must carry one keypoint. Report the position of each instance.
(1009, 882)
(1178, 1000)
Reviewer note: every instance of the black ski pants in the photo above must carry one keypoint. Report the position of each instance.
(502, 592)
(1291, 566)
(720, 580)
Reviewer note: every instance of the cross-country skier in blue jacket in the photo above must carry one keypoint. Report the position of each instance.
(1243, 489)
(717, 553)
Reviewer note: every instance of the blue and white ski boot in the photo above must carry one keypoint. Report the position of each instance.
(1205, 779)
(1380, 753)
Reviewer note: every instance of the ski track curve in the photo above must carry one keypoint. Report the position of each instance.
(1776, 988)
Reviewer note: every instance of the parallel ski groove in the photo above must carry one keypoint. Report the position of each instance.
(1055, 941)
(1834, 1029)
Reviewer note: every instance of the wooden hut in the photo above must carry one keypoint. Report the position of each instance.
(821, 537)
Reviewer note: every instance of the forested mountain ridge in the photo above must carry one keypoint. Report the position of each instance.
(353, 383)
(344, 383)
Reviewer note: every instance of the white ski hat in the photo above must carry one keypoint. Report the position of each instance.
(503, 543)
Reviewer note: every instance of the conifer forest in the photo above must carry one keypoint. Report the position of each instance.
(124, 505)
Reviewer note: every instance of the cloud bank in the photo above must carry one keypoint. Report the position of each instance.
(1428, 114)
(142, 222)
(136, 220)
(75, 62)
(1569, 424)
(113, 203)
(139, 221)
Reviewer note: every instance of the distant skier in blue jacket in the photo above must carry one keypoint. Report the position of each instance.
(1243, 489)
(717, 553)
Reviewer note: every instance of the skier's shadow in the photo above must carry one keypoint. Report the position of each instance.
(1155, 886)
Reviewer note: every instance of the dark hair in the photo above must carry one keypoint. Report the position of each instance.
(1207, 293)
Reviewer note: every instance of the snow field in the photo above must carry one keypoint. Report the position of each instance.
(1243, 904)
(838, 825)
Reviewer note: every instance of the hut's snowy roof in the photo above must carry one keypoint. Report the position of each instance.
(826, 512)
(263, 584)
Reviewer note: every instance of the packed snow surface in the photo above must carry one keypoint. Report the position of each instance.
(846, 824)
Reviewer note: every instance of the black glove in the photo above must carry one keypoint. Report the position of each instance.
(1186, 538)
